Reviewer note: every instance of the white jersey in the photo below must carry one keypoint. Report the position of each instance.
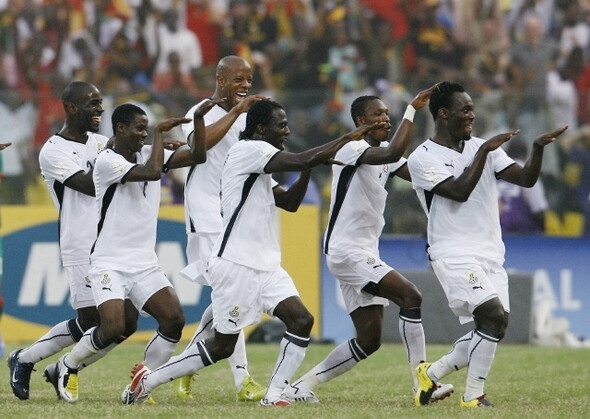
(249, 236)
(201, 190)
(59, 160)
(357, 201)
(457, 229)
(128, 213)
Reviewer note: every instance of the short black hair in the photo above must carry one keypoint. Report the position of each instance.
(359, 105)
(442, 96)
(125, 113)
(75, 91)
(259, 113)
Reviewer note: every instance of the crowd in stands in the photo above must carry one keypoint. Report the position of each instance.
(526, 63)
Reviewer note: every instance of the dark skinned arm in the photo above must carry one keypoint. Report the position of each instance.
(82, 182)
(527, 175)
(189, 156)
(290, 199)
(460, 188)
(398, 145)
(152, 168)
(285, 161)
(216, 131)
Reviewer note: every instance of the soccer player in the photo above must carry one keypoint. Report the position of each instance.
(202, 207)
(352, 253)
(125, 269)
(67, 161)
(245, 271)
(454, 175)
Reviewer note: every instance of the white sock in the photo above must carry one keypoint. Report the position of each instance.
(93, 358)
(412, 335)
(238, 362)
(82, 350)
(291, 352)
(205, 329)
(191, 360)
(52, 342)
(158, 350)
(481, 357)
(454, 360)
(342, 359)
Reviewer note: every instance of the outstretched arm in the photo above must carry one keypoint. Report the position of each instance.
(152, 168)
(460, 188)
(290, 199)
(4, 145)
(398, 145)
(528, 174)
(296, 162)
(197, 153)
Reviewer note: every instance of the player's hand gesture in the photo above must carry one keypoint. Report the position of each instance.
(497, 140)
(170, 123)
(206, 106)
(173, 144)
(422, 98)
(245, 104)
(4, 145)
(361, 130)
(549, 137)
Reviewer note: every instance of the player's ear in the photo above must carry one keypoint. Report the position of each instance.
(260, 129)
(443, 113)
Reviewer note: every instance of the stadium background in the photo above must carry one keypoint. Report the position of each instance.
(314, 57)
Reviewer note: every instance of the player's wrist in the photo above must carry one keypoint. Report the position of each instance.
(410, 112)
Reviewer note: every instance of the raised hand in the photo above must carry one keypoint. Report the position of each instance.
(422, 98)
(245, 104)
(361, 130)
(497, 140)
(549, 137)
(206, 106)
(170, 123)
(4, 145)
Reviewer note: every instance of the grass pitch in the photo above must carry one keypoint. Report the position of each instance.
(525, 382)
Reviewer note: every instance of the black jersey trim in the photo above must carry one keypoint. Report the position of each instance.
(341, 190)
(245, 192)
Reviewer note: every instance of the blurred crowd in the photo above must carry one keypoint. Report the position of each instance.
(526, 64)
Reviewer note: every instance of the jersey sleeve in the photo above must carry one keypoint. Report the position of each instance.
(110, 168)
(395, 166)
(501, 160)
(58, 163)
(426, 170)
(255, 155)
(351, 152)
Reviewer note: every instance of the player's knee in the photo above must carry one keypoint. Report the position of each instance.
(492, 318)
(370, 344)
(302, 325)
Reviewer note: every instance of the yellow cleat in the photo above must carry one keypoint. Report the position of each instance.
(150, 400)
(184, 387)
(481, 401)
(425, 385)
(251, 391)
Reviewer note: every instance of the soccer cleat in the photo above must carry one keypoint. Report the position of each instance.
(425, 385)
(135, 392)
(184, 387)
(296, 394)
(51, 376)
(278, 402)
(441, 392)
(251, 391)
(481, 401)
(67, 381)
(20, 375)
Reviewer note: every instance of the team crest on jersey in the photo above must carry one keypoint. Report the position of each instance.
(235, 312)
(105, 279)
(370, 260)
(472, 278)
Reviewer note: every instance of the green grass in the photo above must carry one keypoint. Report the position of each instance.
(525, 382)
